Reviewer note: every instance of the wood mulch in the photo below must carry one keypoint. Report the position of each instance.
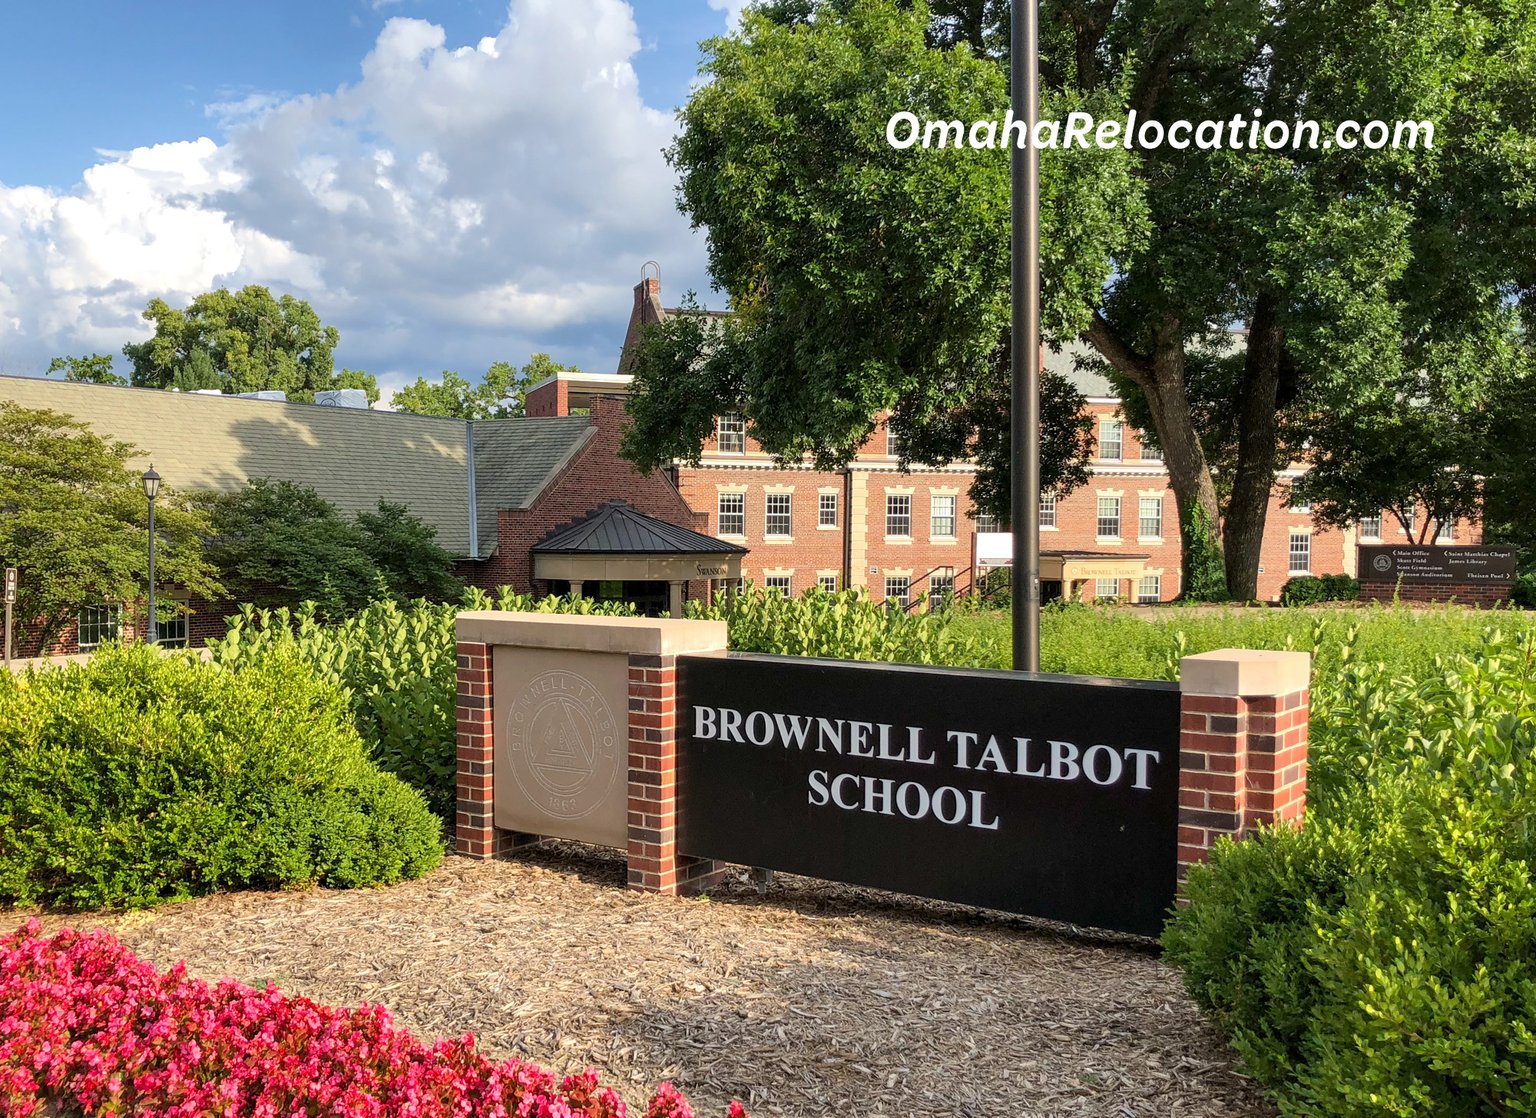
(805, 1000)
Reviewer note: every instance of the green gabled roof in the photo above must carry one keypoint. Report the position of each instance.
(352, 457)
(516, 458)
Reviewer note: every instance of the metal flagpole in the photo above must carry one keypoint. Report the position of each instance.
(1025, 418)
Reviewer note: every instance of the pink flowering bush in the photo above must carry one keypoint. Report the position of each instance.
(89, 1029)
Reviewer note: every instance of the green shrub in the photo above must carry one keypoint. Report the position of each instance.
(397, 669)
(136, 779)
(1383, 960)
(1524, 593)
(847, 625)
(1306, 590)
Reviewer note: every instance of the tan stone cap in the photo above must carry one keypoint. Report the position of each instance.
(1245, 672)
(647, 636)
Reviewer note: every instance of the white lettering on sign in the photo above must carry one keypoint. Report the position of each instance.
(1100, 765)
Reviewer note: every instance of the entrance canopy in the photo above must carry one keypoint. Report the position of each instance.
(616, 544)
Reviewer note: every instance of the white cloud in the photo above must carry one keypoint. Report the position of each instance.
(453, 206)
(731, 8)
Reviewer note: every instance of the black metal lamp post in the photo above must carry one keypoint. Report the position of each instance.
(1025, 419)
(151, 490)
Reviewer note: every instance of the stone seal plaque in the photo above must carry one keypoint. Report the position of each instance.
(562, 744)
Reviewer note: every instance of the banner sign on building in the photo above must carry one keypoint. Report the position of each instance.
(1051, 796)
(1437, 564)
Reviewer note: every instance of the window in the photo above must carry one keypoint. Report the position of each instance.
(1447, 533)
(892, 443)
(1047, 510)
(1111, 438)
(1106, 588)
(778, 582)
(942, 582)
(986, 522)
(1301, 553)
(732, 438)
(1370, 527)
(777, 519)
(733, 514)
(898, 514)
(826, 510)
(1150, 589)
(1411, 515)
(99, 624)
(173, 630)
(941, 522)
(827, 583)
(1150, 521)
(896, 587)
(1109, 517)
(1295, 503)
(1150, 453)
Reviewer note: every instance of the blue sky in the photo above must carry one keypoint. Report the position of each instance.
(451, 182)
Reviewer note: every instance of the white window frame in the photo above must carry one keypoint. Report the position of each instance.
(1294, 503)
(904, 581)
(738, 514)
(826, 510)
(892, 442)
(1112, 434)
(1149, 453)
(1447, 533)
(1304, 553)
(937, 520)
(827, 583)
(105, 624)
(1048, 510)
(1099, 588)
(1150, 589)
(1101, 518)
(732, 425)
(895, 519)
(772, 582)
(1365, 525)
(786, 529)
(987, 522)
(1143, 521)
(174, 632)
(941, 582)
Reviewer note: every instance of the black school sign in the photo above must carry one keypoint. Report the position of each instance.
(1052, 796)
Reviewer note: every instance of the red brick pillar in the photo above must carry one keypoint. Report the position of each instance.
(475, 830)
(654, 863)
(1243, 745)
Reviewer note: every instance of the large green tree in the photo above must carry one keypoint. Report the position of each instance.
(499, 395)
(866, 279)
(73, 518)
(1338, 263)
(242, 341)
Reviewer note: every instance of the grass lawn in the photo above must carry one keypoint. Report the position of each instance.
(1146, 643)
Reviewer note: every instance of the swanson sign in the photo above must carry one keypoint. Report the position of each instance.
(1053, 796)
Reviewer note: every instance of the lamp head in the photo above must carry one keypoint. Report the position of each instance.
(151, 482)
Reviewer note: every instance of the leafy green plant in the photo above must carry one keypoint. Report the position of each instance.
(1307, 590)
(136, 779)
(1382, 961)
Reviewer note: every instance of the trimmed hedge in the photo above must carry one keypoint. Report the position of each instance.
(1307, 590)
(138, 778)
(1382, 961)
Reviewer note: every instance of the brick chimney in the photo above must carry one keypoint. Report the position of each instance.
(646, 311)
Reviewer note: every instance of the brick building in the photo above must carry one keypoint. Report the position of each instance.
(909, 533)
(493, 491)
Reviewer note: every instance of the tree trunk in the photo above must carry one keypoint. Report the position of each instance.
(1161, 378)
(1258, 440)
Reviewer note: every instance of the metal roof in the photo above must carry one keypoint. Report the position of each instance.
(617, 529)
